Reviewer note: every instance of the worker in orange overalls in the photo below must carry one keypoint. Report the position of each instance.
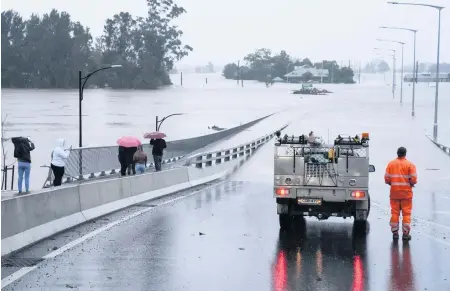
(401, 176)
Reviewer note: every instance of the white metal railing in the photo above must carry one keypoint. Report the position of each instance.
(101, 161)
(225, 155)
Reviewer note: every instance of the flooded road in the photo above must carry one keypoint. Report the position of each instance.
(226, 236)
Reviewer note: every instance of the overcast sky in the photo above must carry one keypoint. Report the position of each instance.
(223, 31)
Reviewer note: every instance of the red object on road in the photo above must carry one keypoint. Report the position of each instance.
(155, 135)
(129, 141)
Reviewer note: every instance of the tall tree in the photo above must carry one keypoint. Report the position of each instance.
(264, 67)
(13, 60)
(48, 51)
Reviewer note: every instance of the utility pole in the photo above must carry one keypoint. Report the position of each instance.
(237, 73)
(359, 73)
(321, 75)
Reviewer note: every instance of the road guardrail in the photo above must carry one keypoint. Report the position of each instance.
(93, 162)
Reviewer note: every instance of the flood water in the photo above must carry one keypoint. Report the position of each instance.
(46, 115)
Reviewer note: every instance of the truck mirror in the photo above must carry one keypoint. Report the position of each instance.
(371, 168)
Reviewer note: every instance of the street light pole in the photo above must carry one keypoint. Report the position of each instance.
(435, 127)
(413, 113)
(80, 98)
(393, 69)
(401, 83)
(439, 8)
(414, 64)
(393, 76)
(159, 122)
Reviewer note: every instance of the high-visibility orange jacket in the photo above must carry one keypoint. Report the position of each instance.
(401, 175)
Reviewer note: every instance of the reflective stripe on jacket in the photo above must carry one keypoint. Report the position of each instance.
(401, 175)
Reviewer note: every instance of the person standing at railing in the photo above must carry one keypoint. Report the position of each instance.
(59, 157)
(22, 148)
(159, 145)
(126, 155)
(131, 166)
(122, 161)
(140, 159)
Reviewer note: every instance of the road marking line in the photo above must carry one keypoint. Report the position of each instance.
(17, 275)
(23, 271)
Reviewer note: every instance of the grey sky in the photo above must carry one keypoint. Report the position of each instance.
(224, 31)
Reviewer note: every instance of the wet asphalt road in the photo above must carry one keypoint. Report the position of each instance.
(226, 237)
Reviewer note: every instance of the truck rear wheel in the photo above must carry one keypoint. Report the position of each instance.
(285, 221)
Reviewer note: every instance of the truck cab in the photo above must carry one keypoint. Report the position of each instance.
(315, 179)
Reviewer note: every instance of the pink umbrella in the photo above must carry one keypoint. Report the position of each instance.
(155, 135)
(128, 141)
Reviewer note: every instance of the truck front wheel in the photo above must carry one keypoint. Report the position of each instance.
(285, 221)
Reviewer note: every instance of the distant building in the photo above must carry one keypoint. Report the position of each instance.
(428, 77)
(209, 68)
(297, 75)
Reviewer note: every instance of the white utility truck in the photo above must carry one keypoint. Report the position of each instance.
(322, 180)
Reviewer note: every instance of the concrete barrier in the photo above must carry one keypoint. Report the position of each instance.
(29, 218)
(25, 219)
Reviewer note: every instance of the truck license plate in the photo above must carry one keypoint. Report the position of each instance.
(309, 201)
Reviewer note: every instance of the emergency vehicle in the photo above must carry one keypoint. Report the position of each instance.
(314, 179)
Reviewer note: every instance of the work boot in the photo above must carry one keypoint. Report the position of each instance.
(406, 237)
(395, 235)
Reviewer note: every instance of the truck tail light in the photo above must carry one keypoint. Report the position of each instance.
(358, 194)
(282, 191)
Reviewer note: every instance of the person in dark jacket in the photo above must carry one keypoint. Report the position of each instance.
(129, 155)
(126, 160)
(122, 161)
(159, 145)
(22, 148)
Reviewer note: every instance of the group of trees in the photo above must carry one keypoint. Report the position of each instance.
(263, 66)
(48, 51)
(376, 67)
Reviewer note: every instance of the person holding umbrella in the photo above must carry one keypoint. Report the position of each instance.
(22, 148)
(127, 147)
(159, 144)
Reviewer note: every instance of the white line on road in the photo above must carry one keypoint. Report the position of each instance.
(23, 271)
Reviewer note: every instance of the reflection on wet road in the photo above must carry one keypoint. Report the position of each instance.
(323, 255)
(227, 238)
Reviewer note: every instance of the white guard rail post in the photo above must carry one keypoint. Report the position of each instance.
(225, 155)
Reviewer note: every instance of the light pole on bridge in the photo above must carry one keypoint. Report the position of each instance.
(414, 64)
(80, 98)
(159, 122)
(436, 100)
(393, 69)
(401, 83)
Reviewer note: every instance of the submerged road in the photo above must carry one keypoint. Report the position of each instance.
(225, 236)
